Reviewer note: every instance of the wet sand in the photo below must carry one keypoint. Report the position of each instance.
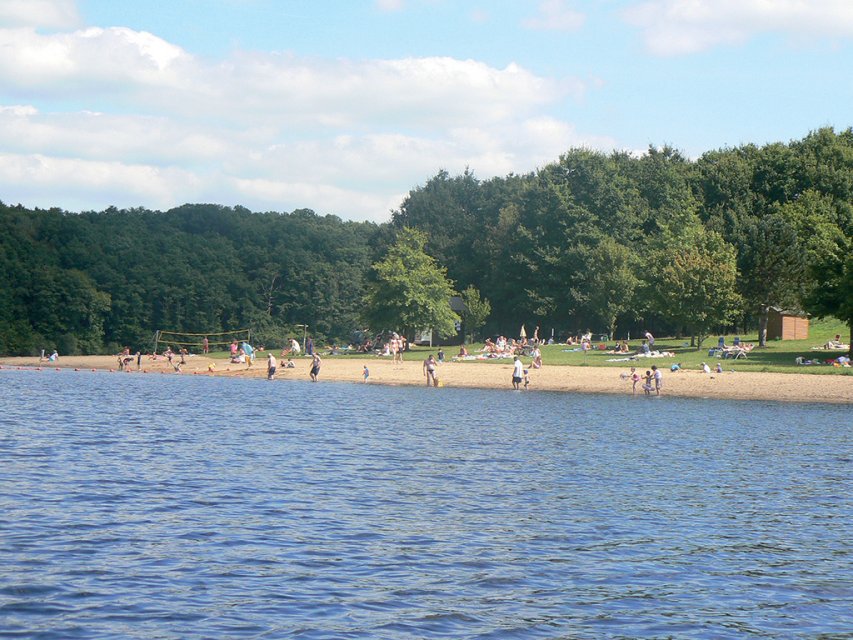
(497, 375)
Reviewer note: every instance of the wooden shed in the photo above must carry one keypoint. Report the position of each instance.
(785, 324)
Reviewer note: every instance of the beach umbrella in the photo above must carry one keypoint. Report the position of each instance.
(523, 333)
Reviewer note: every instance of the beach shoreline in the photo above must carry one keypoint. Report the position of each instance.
(728, 385)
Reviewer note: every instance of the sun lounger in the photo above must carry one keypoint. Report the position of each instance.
(736, 352)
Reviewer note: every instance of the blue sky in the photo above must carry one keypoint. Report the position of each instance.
(344, 106)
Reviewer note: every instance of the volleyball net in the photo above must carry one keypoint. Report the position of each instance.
(195, 341)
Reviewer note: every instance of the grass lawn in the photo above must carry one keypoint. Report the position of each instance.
(779, 356)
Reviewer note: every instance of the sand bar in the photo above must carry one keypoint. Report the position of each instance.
(835, 388)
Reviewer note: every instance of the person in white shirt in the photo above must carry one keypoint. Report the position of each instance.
(271, 366)
(517, 373)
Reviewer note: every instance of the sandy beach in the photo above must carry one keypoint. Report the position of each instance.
(490, 375)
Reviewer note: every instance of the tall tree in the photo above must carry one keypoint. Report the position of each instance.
(828, 226)
(833, 274)
(476, 311)
(411, 291)
(772, 261)
(450, 211)
(604, 287)
(694, 282)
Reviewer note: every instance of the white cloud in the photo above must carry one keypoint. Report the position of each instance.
(94, 136)
(555, 15)
(106, 60)
(160, 127)
(50, 14)
(373, 206)
(141, 70)
(389, 5)
(672, 27)
(66, 182)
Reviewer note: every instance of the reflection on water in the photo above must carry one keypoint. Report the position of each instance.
(146, 507)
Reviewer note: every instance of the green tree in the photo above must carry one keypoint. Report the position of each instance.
(829, 225)
(411, 291)
(476, 311)
(604, 287)
(694, 283)
(772, 263)
(449, 210)
(833, 273)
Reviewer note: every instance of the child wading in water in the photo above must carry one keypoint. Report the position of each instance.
(647, 385)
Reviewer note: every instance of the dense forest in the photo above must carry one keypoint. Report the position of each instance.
(612, 242)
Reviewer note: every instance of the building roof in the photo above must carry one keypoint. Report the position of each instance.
(790, 312)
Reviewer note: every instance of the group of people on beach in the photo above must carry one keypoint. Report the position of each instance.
(272, 366)
(652, 380)
(503, 346)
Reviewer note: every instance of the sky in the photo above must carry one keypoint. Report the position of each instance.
(344, 106)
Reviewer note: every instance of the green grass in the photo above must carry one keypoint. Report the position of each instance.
(779, 356)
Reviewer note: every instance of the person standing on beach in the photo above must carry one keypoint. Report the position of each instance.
(271, 366)
(399, 347)
(658, 376)
(517, 373)
(393, 345)
(635, 378)
(315, 367)
(205, 346)
(429, 370)
(365, 373)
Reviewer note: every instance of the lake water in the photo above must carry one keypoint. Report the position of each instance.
(142, 506)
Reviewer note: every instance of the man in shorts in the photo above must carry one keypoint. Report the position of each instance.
(517, 373)
(271, 366)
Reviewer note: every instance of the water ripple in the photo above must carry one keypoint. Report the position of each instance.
(140, 507)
